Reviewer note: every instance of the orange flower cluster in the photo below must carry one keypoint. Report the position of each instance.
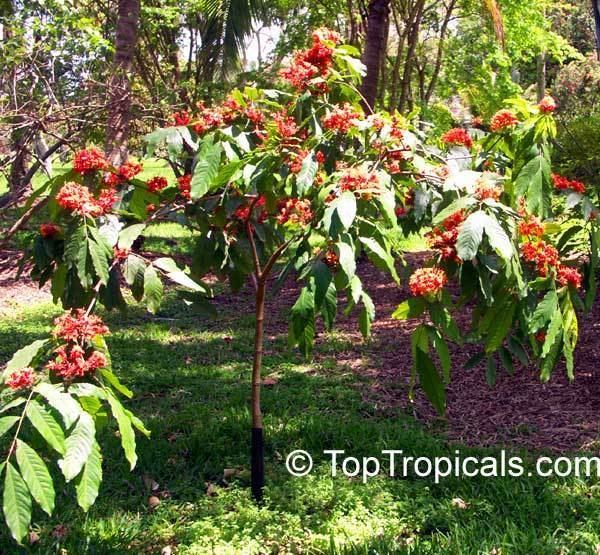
(487, 190)
(427, 281)
(561, 183)
(182, 119)
(457, 136)
(568, 276)
(21, 379)
(342, 118)
(286, 125)
(540, 253)
(503, 119)
(294, 211)
(77, 357)
(89, 160)
(530, 226)
(331, 259)
(358, 179)
(313, 62)
(78, 199)
(443, 238)
(242, 213)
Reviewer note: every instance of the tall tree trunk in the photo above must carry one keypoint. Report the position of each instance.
(377, 23)
(541, 76)
(119, 85)
(596, 10)
(413, 39)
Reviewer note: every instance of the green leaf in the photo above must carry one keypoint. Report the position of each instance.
(517, 350)
(6, 423)
(329, 306)
(36, 476)
(113, 380)
(345, 207)
(441, 348)
(470, 235)
(410, 308)
(346, 258)
(100, 261)
(46, 425)
(507, 360)
(68, 408)
(307, 174)
(16, 503)
(533, 182)
(554, 333)
(570, 333)
(380, 257)
(125, 429)
(497, 237)
(133, 271)
(367, 315)
(430, 381)
(206, 168)
(129, 234)
(500, 327)
(302, 322)
(153, 289)
(474, 360)
(76, 255)
(23, 357)
(544, 311)
(322, 277)
(78, 446)
(490, 371)
(459, 204)
(88, 483)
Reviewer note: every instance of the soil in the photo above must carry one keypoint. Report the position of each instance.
(518, 411)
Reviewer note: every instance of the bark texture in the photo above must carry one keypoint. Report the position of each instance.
(375, 45)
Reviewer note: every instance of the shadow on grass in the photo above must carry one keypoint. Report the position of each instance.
(192, 390)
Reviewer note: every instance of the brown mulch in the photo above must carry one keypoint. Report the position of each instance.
(17, 292)
(518, 411)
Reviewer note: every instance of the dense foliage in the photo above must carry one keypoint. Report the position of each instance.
(301, 176)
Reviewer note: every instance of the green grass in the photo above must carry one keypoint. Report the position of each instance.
(192, 390)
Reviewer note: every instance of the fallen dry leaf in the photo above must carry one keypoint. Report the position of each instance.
(270, 381)
(211, 490)
(459, 503)
(149, 483)
(153, 502)
(229, 472)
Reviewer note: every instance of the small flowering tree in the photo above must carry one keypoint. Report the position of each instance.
(301, 179)
(519, 241)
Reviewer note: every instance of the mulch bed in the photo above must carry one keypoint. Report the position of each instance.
(518, 411)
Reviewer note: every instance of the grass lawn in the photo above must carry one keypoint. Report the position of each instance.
(192, 390)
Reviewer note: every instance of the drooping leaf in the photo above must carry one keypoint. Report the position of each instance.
(410, 308)
(153, 289)
(23, 357)
(6, 423)
(380, 256)
(68, 408)
(470, 235)
(129, 234)
(345, 207)
(430, 380)
(88, 482)
(125, 429)
(46, 425)
(544, 311)
(346, 258)
(206, 168)
(78, 446)
(35, 473)
(306, 177)
(16, 503)
(367, 315)
(302, 322)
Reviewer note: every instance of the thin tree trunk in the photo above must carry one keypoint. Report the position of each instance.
(374, 48)
(596, 10)
(257, 449)
(413, 39)
(541, 76)
(119, 85)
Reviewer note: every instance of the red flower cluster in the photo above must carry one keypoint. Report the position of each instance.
(568, 276)
(182, 118)
(296, 159)
(427, 281)
(342, 118)
(358, 179)
(79, 200)
(503, 119)
(320, 157)
(72, 362)
(78, 326)
(487, 190)
(547, 105)
(530, 226)
(331, 259)
(540, 253)
(294, 211)
(561, 183)
(129, 170)
(286, 125)
(313, 62)
(443, 238)
(121, 254)
(242, 213)
(157, 184)
(185, 186)
(21, 379)
(457, 136)
(477, 122)
(89, 160)
(49, 230)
